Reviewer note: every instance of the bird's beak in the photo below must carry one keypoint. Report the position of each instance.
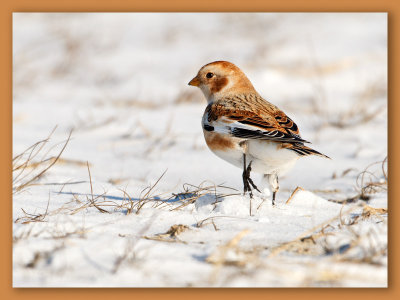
(194, 82)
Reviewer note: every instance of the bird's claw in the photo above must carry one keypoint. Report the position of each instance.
(248, 182)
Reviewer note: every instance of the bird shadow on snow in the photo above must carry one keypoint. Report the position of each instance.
(177, 198)
(205, 203)
(200, 258)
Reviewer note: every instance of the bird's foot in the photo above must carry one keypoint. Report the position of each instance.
(248, 184)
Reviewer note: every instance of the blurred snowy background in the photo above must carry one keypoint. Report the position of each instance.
(119, 81)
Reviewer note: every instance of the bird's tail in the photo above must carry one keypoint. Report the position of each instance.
(304, 150)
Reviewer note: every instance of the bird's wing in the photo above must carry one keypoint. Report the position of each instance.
(243, 122)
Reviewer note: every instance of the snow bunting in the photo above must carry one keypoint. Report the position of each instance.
(240, 126)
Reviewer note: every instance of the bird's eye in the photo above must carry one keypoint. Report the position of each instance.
(209, 75)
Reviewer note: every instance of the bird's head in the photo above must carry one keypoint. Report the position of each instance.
(221, 78)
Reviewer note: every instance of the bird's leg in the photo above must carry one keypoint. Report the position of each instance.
(245, 175)
(246, 178)
(247, 181)
(248, 170)
(275, 184)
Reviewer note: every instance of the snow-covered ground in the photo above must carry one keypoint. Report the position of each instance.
(119, 81)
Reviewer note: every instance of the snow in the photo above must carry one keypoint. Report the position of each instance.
(120, 82)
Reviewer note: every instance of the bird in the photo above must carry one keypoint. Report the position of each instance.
(244, 129)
